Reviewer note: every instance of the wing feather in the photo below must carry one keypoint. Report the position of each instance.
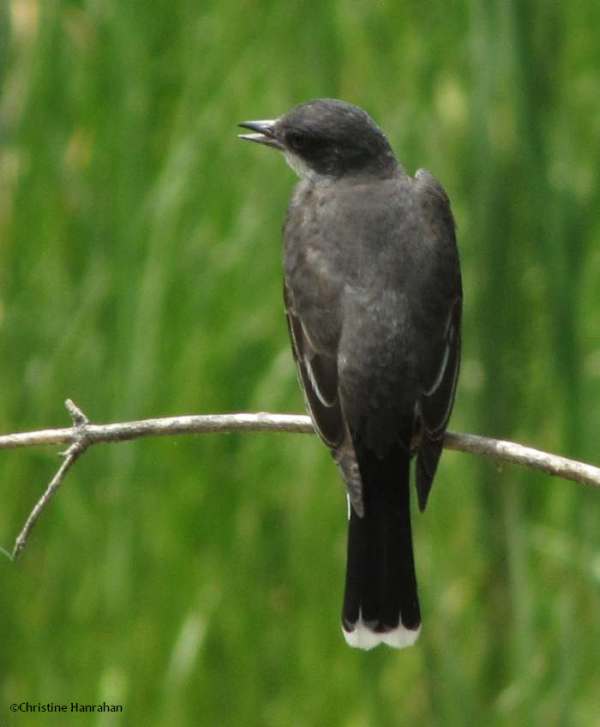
(318, 378)
(439, 387)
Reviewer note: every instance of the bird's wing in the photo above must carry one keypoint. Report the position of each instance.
(440, 373)
(437, 397)
(318, 377)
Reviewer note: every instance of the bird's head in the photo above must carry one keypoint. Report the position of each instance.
(326, 137)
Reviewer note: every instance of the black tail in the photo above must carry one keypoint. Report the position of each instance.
(381, 604)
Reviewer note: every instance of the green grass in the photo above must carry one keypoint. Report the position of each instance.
(198, 580)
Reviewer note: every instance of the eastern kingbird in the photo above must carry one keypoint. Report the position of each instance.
(373, 301)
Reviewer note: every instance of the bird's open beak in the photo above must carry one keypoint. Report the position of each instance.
(265, 132)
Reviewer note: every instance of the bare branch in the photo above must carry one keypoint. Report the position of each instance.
(513, 453)
(165, 426)
(83, 434)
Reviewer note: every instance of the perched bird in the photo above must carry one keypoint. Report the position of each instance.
(373, 300)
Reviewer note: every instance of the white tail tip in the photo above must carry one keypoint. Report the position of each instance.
(362, 637)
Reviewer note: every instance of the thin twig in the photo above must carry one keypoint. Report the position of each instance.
(83, 434)
(71, 456)
(77, 448)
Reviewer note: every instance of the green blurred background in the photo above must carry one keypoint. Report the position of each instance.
(198, 580)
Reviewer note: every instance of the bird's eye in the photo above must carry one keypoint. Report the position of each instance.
(296, 141)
